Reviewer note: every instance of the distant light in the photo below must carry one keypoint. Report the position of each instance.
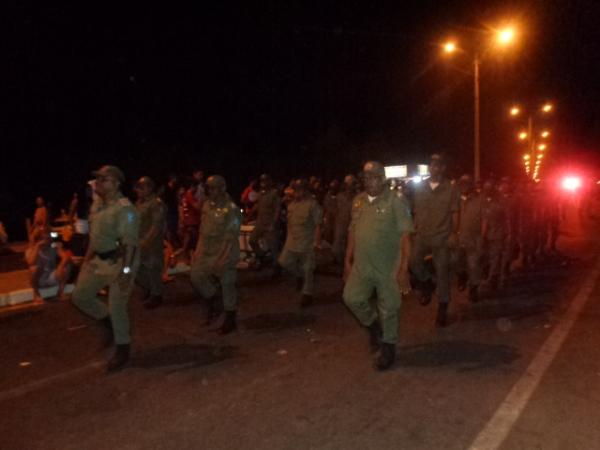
(540, 156)
(450, 47)
(571, 183)
(545, 133)
(523, 135)
(416, 179)
(514, 111)
(547, 107)
(542, 147)
(506, 36)
(526, 157)
(423, 170)
(396, 171)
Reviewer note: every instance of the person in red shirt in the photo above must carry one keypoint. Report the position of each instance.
(191, 210)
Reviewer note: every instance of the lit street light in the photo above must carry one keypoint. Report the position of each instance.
(514, 111)
(545, 133)
(542, 147)
(503, 38)
(547, 107)
(523, 135)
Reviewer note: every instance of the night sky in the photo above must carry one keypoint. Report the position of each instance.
(292, 88)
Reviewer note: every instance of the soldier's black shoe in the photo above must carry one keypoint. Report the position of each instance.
(229, 324)
(375, 334)
(108, 335)
(442, 315)
(120, 359)
(306, 301)
(386, 357)
(427, 288)
(299, 283)
(473, 294)
(462, 281)
(153, 301)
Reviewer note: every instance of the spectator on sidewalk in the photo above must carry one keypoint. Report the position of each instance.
(50, 265)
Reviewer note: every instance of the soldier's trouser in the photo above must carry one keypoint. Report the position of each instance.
(268, 237)
(300, 265)
(203, 280)
(85, 297)
(149, 277)
(358, 290)
(495, 257)
(340, 240)
(469, 260)
(440, 250)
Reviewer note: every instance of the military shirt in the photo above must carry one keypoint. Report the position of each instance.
(113, 223)
(221, 222)
(152, 213)
(434, 208)
(471, 215)
(303, 217)
(378, 227)
(497, 218)
(267, 205)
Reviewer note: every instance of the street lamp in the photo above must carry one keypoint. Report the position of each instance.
(533, 149)
(503, 38)
(514, 111)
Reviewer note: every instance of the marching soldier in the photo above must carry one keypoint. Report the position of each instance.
(218, 252)
(111, 261)
(436, 210)
(267, 214)
(471, 230)
(152, 218)
(304, 218)
(377, 260)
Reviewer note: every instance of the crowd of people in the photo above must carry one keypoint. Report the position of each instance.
(382, 238)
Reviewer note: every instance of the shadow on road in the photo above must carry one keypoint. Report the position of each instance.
(273, 322)
(186, 356)
(468, 356)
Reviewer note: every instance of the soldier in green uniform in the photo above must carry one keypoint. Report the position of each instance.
(218, 252)
(497, 233)
(152, 219)
(343, 218)
(267, 214)
(111, 261)
(471, 230)
(304, 218)
(377, 260)
(436, 213)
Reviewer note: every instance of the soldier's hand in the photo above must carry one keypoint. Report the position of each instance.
(403, 280)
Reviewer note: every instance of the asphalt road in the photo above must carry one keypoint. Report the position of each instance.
(518, 370)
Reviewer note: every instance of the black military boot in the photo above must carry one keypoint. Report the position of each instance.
(442, 315)
(473, 294)
(229, 324)
(119, 359)
(154, 301)
(306, 301)
(427, 288)
(375, 334)
(386, 357)
(108, 335)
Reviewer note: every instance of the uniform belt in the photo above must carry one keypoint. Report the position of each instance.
(111, 254)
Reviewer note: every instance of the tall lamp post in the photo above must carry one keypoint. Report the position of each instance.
(502, 38)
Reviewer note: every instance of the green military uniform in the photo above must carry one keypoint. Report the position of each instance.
(343, 218)
(498, 219)
(377, 227)
(433, 210)
(329, 216)
(111, 225)
(298, 255)
(265, 228)
(151, 213)
(219, 227)
(470, 238)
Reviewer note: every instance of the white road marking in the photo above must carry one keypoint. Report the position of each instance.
(497, 429)
(30, 387)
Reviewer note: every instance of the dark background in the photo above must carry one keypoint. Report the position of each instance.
(285, 87)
